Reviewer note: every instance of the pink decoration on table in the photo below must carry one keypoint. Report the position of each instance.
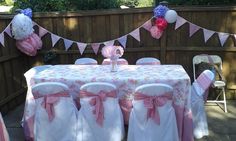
(29, 45)
(161, 23)
(151, 103)
(49, 101)
(97, 102)
(114, 53)
(155, 32)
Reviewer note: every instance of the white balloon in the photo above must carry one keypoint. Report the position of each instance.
(171, 16)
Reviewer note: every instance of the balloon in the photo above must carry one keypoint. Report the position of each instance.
(29, 45)
(27, 12)
(156, 32)
(171, 16)
(160, 11)
(161, 23)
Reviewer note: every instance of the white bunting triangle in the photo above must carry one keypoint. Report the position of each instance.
(135, 34)
(179, 22)
(207, 34)
(81, 47)
(2, 39)
(55, 39)
(223, 37)
(67, 43)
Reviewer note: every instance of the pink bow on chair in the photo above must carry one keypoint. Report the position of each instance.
(49, 102)
(151, 102)
(97, 102)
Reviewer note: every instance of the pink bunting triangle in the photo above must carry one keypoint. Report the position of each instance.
(122, 40)
(81, 47)
(42, 31)
(135, 34)
(2, 39)
(223, 37)
(109, 43)
(207, 34)
(95, 47)
(55, 39)
(8, 30)
(179, 22)
(147, 25)
(67, 43)
(193, 29)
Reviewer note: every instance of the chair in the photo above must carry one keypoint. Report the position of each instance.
(153, 116)
(198, 89)
(55, 113)
(30, 102)
(86, 61)
(3, 131)
(100, 114)
(219, 84)
(148, 61)
(121, 61)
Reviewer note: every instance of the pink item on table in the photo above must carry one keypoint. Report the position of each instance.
(120, 61)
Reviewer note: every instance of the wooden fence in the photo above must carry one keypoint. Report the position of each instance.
(174, 47)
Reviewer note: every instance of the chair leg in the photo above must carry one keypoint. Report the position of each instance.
(225, 104)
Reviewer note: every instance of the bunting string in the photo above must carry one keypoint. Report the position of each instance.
(193, 28)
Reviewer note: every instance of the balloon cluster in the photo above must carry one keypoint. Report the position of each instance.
(22, 30)
(163, 15)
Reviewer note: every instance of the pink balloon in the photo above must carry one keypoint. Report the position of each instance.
(29, 45)
(156, 32)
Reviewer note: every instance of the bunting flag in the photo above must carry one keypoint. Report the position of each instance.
(55, 39)
(2, 39)
(8, 30)
(235, 36)
(95, 47)
(81, 47)
(42, 31)
(223, 37)
(147, 25)
(67, 43)
(179, 22)
(207, 34)
(135, 34)
(122, 40)
(109, 43)
(193, 29)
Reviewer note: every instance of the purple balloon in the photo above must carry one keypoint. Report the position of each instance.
(160, 11)
(27, 12)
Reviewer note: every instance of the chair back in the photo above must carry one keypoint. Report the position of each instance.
(86, 61)
(48, 88)
(3, 131)
(153, 115)
(100, 110)
(120, 61)
(148, 61)
(215, 59)
(203, 82)
(55, 112)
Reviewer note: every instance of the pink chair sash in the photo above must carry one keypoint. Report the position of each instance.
(2, 131)
(49, 101)
(204, 81)
(151, 102)
(97, 102)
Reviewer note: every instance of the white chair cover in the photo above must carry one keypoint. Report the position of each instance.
(148, 61)
(142, 128)
(120, 61)
(86, 61)
(55, 115)
(198, 89)
(3, 131)
(30, 102)
(112, 127)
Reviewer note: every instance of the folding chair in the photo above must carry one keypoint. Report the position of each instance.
(219, 84)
